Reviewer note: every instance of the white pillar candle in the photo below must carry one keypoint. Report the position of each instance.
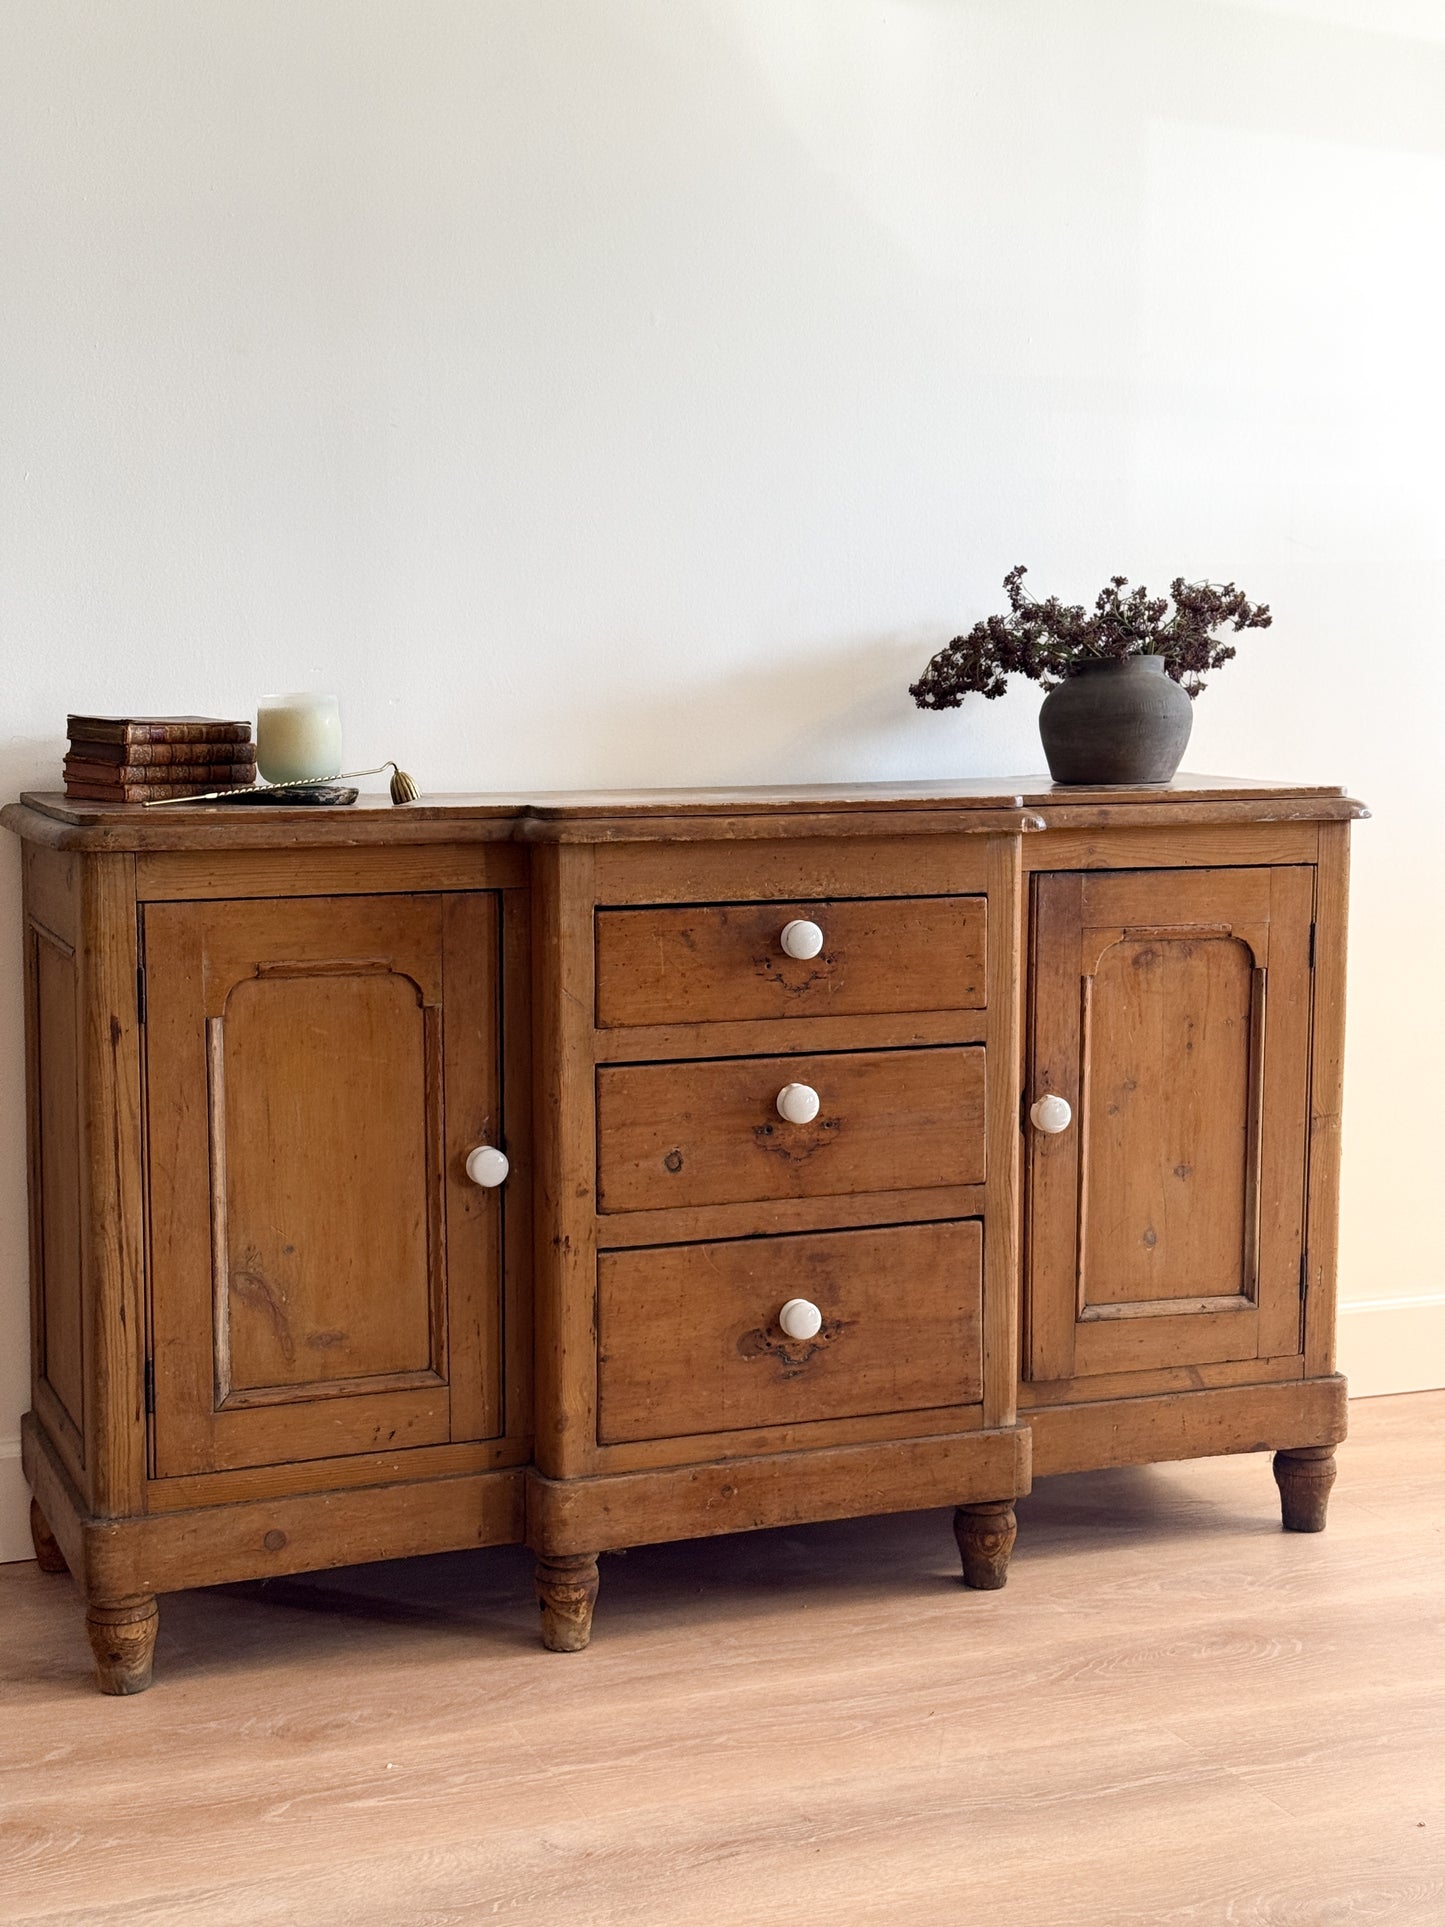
(298, 738)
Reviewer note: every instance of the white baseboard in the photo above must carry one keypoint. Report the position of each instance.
(1393, 1345)
(14, 1505)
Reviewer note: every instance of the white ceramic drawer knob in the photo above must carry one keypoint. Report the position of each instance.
(800, 1318)
(798, 1103)
(1051, 1114)
(800, 938)
(487, 1166)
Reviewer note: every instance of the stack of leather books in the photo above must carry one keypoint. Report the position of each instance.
(145, 759)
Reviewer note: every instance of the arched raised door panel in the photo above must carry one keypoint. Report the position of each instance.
(324, 1278)
(1171, 1009)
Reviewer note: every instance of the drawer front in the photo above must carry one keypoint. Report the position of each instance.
(689, 1339)
(711, 1133)
(715, 963)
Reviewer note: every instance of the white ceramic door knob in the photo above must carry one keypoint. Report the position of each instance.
(798, 1103)
(800, 938)
(487, 1166)
(1051, 1114)
(800, 1318)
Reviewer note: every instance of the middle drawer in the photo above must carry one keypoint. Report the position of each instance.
(711, 1132)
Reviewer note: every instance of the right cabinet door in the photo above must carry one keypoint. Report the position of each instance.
(1170, 1009)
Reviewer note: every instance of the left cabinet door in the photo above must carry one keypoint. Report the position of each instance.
(324, 1278)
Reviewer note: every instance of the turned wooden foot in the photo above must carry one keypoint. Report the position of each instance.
(985, 1535)
(123, 1639)
(567, 1592)
(48, 1555)
(1304, 1477)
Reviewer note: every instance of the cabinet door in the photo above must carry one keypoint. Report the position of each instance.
(1171, 1008)
(324, 1277)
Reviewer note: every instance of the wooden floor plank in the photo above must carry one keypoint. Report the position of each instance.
(1174, 1714)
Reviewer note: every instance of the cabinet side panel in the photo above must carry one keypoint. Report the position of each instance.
(57, 1133)
(57, 1307)
(1285, 1101)
(1331, 910)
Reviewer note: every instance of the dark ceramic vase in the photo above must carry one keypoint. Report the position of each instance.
(1116, 722)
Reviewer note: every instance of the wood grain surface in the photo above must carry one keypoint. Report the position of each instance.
(688, 1337)
(1175, 1715)
(54, 1016)
(710, 1133)
(301, 1085)
(1171, 1010)
(719, 962)
(975, 804)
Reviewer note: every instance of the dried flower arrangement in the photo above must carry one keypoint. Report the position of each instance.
(1045, 640)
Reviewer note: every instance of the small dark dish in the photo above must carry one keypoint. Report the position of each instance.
(292, 795)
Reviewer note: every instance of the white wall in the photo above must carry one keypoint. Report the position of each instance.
(636, 391)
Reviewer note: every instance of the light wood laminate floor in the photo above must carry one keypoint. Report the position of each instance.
(1174, 1714)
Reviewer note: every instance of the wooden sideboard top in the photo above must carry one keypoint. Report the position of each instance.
(971, 804)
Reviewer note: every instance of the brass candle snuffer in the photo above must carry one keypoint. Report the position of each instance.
(402, 787)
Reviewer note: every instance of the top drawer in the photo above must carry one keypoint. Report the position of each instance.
(712, 963)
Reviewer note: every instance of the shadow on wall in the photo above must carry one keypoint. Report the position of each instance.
(842, 714)
(24, 764)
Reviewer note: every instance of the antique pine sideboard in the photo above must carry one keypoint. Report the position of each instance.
(593, 1170)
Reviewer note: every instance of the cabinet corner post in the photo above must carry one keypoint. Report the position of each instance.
(112, 1184)
(1007, 906)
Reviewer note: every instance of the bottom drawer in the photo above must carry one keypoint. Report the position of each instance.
(689, 1340)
